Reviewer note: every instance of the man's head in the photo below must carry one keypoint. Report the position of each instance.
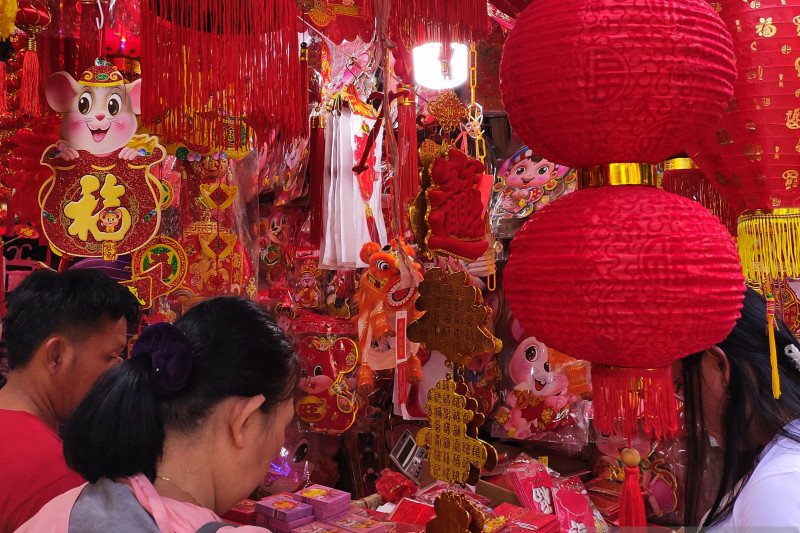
(62, 331)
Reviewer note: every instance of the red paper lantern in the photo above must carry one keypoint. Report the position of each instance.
(753, 155)
(626, 276)
(635, 80)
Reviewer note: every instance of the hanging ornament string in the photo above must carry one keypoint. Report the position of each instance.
(474, 129)
(100, 22)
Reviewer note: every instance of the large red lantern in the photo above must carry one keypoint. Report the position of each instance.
(618, 275)
(635, 80)
(753, 155)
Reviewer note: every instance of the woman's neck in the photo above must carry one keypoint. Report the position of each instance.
(185, 471)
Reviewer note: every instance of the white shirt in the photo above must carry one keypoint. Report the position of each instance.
(771, 497)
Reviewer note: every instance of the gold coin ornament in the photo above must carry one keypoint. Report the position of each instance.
(455, 323)
(456, 455)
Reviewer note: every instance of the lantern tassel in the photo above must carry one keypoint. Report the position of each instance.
(631, 502)
(772, 325)
(3, 97)
(683, 178)
(767, 244)
(623, 397)
(316, 176)
(30, 103)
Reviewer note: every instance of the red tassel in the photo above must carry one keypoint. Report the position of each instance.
(316, 176)
(625, 397)
(304, 83)
(3, 96)
(30, 104)
(408, 168)
(631, 503)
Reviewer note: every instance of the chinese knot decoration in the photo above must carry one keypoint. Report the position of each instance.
(102, 199)
(752, 155)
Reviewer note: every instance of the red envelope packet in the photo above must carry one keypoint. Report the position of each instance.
(413, 512)
(572, 505)
(532, 484)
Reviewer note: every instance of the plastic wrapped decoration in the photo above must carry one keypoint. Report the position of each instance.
(306, 283)
(88, 212)
(541, 403)
(525, 183)
(291, 469)
(328, 405)
(212, 221)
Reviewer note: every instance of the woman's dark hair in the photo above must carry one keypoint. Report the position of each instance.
(238, 350)
(750, 412)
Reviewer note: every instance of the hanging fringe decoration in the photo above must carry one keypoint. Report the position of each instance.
(33, 17)
(304, 83)
(682, 177)
(627, 397)
(233, 60)
(89, 36)
(441, 21)
(316, 171)
(768, 244)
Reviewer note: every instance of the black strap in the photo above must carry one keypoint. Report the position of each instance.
(213, 527)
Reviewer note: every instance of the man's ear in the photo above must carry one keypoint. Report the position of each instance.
(60, 91)
(241, 416)
(52, 352)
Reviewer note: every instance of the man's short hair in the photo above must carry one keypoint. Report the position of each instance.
(48, 302)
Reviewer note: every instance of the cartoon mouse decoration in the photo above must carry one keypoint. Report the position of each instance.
(328, 405)
(539, 401)
(102, 199)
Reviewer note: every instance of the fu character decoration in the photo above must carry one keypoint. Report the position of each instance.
(102, 199)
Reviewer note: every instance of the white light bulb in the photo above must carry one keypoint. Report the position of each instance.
(431, 72)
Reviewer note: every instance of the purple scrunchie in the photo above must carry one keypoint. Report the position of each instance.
(170, 356)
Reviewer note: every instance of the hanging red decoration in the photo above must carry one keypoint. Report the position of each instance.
(615, 274)
(33, 17)
(421, 21)
(636, 80)
(619, 255)
(341, 20)
(240, 62)
(752, 155)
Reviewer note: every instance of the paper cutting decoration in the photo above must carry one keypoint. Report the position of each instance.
(328, 404)
(455, 323)
(102, 199)
(456, 454)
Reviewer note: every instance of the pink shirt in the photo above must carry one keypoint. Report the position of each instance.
(171, 516)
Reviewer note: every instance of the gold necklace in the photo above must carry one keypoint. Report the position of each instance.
(186, 492)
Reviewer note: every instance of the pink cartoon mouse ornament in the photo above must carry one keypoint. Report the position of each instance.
(539, 401)
(103, 199)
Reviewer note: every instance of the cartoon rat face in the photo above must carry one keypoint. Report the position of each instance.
(530, 369)
(110, 219)
(96, 119)
(529, 173)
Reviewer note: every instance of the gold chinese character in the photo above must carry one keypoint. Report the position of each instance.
(791, 177)
(753, 152)
(765, 27)
(109, 223)
(796, 22)
(723, 137)
(786, 49)
(793, 119)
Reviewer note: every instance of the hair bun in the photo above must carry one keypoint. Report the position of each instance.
(170, 357)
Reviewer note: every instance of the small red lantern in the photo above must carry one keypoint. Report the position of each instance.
(635, 80)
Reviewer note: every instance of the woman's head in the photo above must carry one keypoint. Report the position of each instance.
(222, 377)
(728, 395)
